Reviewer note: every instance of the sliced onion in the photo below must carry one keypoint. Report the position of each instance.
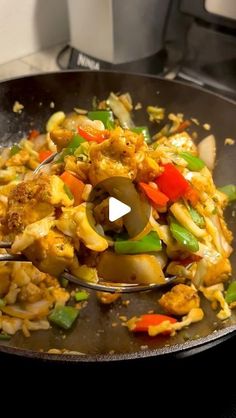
(120, 111)
(17, 312)
(32, 310)
(207, 151)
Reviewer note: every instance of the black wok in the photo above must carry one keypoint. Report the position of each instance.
(94, 334)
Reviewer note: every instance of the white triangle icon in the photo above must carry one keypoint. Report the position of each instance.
(117, 209)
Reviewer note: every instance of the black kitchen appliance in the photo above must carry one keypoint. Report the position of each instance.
(194, 41)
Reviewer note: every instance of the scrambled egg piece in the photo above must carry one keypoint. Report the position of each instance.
(80, 168)
(211, 273)
(74, 223)
(32, 233)
(7, 175)
(35, 199)
(194, 315)
(61, 137)
(30, 293)
(117, 156)
(180, 300)
(52, 253)
(215, 295)
(107, 298)
(180, 141)
(20, 158)
(10, 325)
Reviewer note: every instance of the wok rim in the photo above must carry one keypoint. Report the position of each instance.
(158, 77)
(184, 349)
(178, 350)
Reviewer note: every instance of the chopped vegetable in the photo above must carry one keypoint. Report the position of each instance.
(207, 151)
(184, 125)
(43, 155)
(183, 236)
(71, 147)
(150, 243)
(17, 107)
(142, 323)
(33, 134)
(92, 134)
(230, 191)
(75, 185)
(120, 111)
(105, 116)
(192, 195)
(172, 183)
(142, 130)
(81, 296)
(64, 282)
(131, 268)
(126, 99)
(4, 336)
(195, 315)
(156, 197)
(64, 316)
(156, 114)
(14, 150)
(196, 217)
(2, 303)
(55, 120)
(182, 215)
(194, 163)
(68, 192)
(231, 293)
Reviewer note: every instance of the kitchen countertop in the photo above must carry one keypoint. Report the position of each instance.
(42, 61)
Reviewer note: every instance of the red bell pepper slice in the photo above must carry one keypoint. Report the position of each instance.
(33, 134)
(156, 197)
(189, 260)
(44, 154)
(147, 320)
(172, 183)
(75, 185)
(92, 134)
(192, 195)
(184, 125)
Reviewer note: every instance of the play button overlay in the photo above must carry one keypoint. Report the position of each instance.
(118, 207)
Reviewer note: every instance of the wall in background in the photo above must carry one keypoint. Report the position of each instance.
(26, 26)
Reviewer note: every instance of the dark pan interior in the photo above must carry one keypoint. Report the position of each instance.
(99, 333)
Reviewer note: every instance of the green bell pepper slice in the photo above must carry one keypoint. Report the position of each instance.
(142, 130)
(68, 192)
(63, 316)
(81, 296)
(194, 163)
(231, 293)
(149, 243)
(230, 191)
(64, 282)
(105, 116)
(197, 218)
(14, 150)
(2, 303)
(183, 236)
(4, 336)
(76, 141)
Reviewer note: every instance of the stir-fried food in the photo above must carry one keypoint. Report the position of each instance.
(50, 218)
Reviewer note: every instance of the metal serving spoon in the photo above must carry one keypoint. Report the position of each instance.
(102, 285)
